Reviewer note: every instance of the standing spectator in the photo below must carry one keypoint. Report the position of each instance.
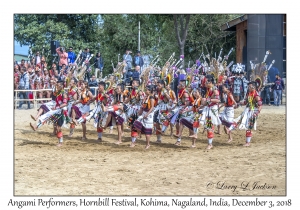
(85, 56)
(278, 87)
(93, 83)
(47, 85)
(23, 64)
(52, 70)
(42, 65)
(31, 76)
(23, 85)
(37, 58)
(56, 75)
(38, 82)
(128, 60)
(17, 75)
(63, 57)
(71, 55)
(136, 73)
(265, 93)
(32, 62)
(98, 63)
(138, 60)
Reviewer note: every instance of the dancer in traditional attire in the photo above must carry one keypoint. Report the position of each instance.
(84, 99)
(227, 115)
(98, 113)
(72, 97)
(116, 115)
(144, 123)
(191, 121)
(161, 110)
(170, 106)
(133, 101)
(247, 120)
(210, 117)
(181, 108)
(46, 107)
(57, 114)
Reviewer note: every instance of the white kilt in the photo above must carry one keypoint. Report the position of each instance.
(47, 115)
(213, 113)
(148, 122)
(227, 114)
(132, 109)
(244, 119)
(84, 108)
(51, 104)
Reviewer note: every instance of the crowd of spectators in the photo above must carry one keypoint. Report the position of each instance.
(36, 74)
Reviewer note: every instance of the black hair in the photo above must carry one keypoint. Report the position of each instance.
(210, 78)
(151, 88)
(136, 79)
(121, 85)
(102, 83)
(252, 83)
(161, 82)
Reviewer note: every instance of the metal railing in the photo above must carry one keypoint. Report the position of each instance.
(35, 99)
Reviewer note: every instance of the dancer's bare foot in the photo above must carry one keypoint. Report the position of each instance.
(32, 117)
(218, 132)
(132, 144)
(118, 142)
(147, 146)
(178, 143)
(209, 146)
(193, 146)
(229, 140)
(158, 141)
(84, 138)
(33, 128)
(59, 144)
(176, 135)
(171, 134)
(70, 134)
(110, 131)
(247, 144)
(193, 136)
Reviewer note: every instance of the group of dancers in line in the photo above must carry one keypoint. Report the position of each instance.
(148, 109)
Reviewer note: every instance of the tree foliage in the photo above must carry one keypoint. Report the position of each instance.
(112, 33)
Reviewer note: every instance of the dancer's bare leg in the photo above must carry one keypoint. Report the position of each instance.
(73, 114)
(107, 120)
(83, 131)
(229, 136)
(180, 129)
(193, 143)
(119, 134)
(147, 141)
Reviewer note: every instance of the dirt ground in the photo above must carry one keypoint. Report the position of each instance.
(104, 169)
